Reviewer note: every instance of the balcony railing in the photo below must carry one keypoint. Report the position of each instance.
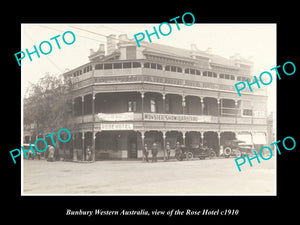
(162, 117)
(156, 76)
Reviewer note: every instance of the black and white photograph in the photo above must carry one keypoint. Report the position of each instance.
(132, 115)
(164, 118)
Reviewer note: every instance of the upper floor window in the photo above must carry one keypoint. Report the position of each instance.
(108, 66)
(118, 65)
(168, 105)
(127, 65)
(173, 69)
(247, 112)
(99, 67)
(209, 74)
(131, 106)
(241, 78)
(152, 105)
(136, 64)
(227, 76)
(146, 65)
(153, 65)
(192, 71)
(77, 73)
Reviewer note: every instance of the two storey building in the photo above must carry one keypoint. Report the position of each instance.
(128, 96)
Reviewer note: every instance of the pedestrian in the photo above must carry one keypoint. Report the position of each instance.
(154, 152)
(178, 151)
(145, 153)
(88, 154)
(93, 153)
(51, 154)
(168, 150)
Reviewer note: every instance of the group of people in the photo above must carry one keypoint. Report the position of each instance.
(154, 151)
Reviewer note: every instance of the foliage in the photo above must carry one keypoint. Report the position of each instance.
(48, 105)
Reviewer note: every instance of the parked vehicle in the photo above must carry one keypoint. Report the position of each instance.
(189, 153)
(235, 148)
(29, 154)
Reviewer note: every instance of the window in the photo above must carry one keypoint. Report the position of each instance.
(197, 72)
(131, 106)
(167, 68)
(247, 112)
(214, 74)
(232, 77)
(187, 70)
(173, 68)
(168, 105)
(147, 65)
(136, 64)
(259, 113)
(153, 66)
(205, 73)
(152, 105)
(127, 65)
(221, 75)
(192, 71)
(107, 66)
(117, 65)
(179, 70)
(99, 67)
(227, 76)
(159, 67)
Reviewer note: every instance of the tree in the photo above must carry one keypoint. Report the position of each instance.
(48, 105)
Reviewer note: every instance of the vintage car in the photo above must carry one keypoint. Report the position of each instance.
(29, 154)
(191, 152)
(235, 148)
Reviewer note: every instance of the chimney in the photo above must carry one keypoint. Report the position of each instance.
(92, 51)
(111, 43)
(194, 47)
(101, 49)
(209, 50)
(123, 38)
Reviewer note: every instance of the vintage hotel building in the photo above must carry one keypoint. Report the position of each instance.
(127, 96)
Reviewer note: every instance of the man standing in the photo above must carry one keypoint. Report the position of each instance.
(88, 154)
(178, 152)
(51, 154)
(168, 150)
(146, 152)
(154, 152)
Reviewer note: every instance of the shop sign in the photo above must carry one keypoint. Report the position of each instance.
(115, 116)
(116, 126)
(177, 117)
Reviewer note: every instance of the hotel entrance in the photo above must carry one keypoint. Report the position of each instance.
(116, 145)
(132, 145)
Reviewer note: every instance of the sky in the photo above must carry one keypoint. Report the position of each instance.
(255, 40)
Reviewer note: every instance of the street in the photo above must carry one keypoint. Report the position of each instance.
(200, 177)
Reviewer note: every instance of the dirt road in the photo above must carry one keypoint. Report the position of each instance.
(218, 176)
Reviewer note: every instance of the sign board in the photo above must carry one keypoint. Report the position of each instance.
(177, 117)
(116, 126)
(115, 116)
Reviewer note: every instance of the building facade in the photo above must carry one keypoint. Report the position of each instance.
(128, 96)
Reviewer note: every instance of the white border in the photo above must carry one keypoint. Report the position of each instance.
(22, 95)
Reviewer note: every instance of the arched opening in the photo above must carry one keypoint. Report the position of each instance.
(210, 106)
(211, 141)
